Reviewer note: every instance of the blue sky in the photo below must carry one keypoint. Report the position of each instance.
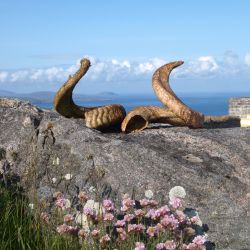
(42, 42)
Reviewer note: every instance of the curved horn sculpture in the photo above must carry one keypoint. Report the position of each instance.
(176, 113)
(139, 118)
(163, 91)
(96, 117)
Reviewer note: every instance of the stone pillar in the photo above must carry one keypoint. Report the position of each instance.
(239, 106)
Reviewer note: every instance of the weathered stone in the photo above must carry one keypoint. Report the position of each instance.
(213, 165)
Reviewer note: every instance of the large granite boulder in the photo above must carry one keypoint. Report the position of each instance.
(41, 147)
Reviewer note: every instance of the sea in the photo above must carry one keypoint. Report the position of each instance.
(208, 104)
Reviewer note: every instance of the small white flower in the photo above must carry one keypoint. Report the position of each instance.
(67, 203)
(92, 189)
(54, 180)
(82, 220)
(149, 194)
(94, 205)
(177, 192)
(31, 206)
(68, 177)
(57, 161)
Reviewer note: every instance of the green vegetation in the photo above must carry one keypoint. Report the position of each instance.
(21, 229)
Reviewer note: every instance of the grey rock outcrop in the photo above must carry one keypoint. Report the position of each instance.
(213, 165)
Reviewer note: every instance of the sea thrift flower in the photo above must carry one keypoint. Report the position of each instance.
(108, 205)
(129, 217)
(153, 214)
(136, 228)
(45, 217)
(199, 240)
(68, 218)
(177, 192)
(95, 233)
(121, 233)
(151, 231)
(144, 202)
(82, 233)
(196, 220)
(170, 245)
(88, 211)
(139, 213)
(175, 203)
(169, 221)
(149, 194)
(120, 223)
(57, 195)
(164, 210)
(82, 197)
(108, 217)
(60, 202)
(128, 202)
(63, 229)
(105, 239)
(153, 203)
(181, 216)
(160, 246)
(159, 228)
(140, 246)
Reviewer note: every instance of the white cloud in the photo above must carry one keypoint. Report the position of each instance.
(247, 59)
(3, 76)
(115, 70)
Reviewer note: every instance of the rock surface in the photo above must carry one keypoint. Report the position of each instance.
(213, 165)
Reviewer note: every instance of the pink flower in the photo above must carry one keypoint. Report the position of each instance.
(164, 210)
(62, 229)
(199, 240)
(169, 221)
(83, 197)
(135, 228)
(120, 223)
(129, 217)
(140, 246)
(153, 203)
(108, 217)
(144, 202)
(65, 229)
(181, 216)
(151, 231)
(175, 203)
(159, 228)
(82, 233)
(160, 246)
(139, 213)
(88, 211)
(108, 205)
(57, 195)
(194, 219)
(121, 233)
(153, 214)
(45, 217)
(170, 245)
(105, 239)
(95, 233)
(128, 202)
(60, 202)
(68, 218)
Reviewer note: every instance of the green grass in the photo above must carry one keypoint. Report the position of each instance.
(20, 229)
